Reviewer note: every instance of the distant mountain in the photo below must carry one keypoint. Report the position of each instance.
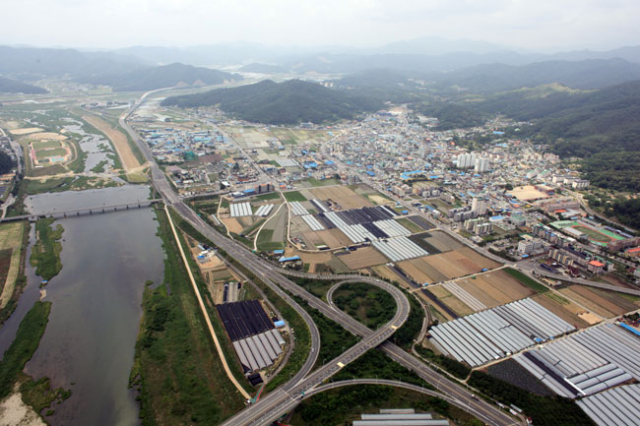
(291, 102)
(379, 77)
(628, 53)
(588, 74)
(13, 86)
(259, 68)
(163, 76)
(439, 46)
(34, 63)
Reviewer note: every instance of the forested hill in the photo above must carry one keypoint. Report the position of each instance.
(163, 76)
(291, 102)
(600, 126)
(13, 86)
(588, 74)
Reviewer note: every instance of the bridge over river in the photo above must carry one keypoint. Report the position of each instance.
(84, 211)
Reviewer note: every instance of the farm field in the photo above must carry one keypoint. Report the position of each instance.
(455, 304)
(372, 195)
(249, 137)
(299, 136)
(47, 136)
(602, 303)
(495, 288)
(363, 258)
(25, 131)
(10, 254)
(565, 309)
(421, 222)
(385, 272)
(446, 266)
(119, 140)
(341, 197)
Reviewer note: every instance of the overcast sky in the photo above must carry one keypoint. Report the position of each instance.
(545, 25)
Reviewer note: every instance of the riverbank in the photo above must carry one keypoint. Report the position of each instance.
(175, 358)
(12, 380)
(14, 239)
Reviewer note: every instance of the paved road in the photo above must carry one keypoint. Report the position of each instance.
(287, 396)
(394, 383)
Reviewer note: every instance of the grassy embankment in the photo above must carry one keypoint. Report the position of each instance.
(45, 255)
(295, 321)
(368, 304)
(334, 339)
(457, 369)
(177, 371)
(264, 242)
(37, 394)
(14, 239)
(342, 406)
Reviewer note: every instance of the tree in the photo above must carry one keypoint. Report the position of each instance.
(6, 163)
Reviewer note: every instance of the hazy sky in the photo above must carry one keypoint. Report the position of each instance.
(547, 25)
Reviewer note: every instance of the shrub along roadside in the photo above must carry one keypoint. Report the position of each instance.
(177, 372)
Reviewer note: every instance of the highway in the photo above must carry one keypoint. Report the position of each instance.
(288, 396)
(394, 383)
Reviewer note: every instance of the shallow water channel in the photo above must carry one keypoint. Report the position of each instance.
(89, 342)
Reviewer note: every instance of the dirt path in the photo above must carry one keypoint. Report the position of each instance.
(204, 312)
(119, 140)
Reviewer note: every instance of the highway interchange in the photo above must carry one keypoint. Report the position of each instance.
(286, 397)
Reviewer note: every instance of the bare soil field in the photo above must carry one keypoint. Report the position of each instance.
(119, 140)
(562, 308)
(608, 300)
(440, 291)
(385, 272)
(25, 131)
(342, 196)
(233, 225)
(458, 306)
(49, 136)
(445, 266)
(528, 193)
(495, 288)
(426, 272)
(334, 238)
(363, 258)
(587, 302)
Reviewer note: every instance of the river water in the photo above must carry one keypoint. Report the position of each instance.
(89, 342)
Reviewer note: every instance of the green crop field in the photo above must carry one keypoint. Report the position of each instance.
(294, 196)
(46, 144)
(56, 152)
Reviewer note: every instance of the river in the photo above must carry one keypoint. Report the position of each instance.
(89, 342)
